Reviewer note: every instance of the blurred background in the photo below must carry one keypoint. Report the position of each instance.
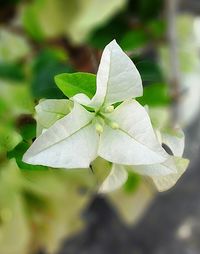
(46, 211)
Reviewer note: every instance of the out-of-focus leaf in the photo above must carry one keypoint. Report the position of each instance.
(75, 19)
(2, 107)
(18, 153)
(47, 65)
(31, 22)
(16, 97)
(132, 182)
(72, 84)
(92, 14)
(114, 30)
(12, 46)
(149, 71)
(145, 9)
(9, 138)
(48, 18)
(155, 95)
(134, 39)
(49, 55)
(131, 207)
(28, 131)
(157, 28)
(15, 232)
(11, 71)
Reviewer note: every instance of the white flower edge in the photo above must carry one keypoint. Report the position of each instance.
(117, 79)
(166, 182)
(164, 175)
(59, 145)
(49, 111)
(176, 142)
(133, 143)
(116, 178)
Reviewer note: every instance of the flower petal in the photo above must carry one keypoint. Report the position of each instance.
(134, 143)
(175, 142)
(115, 179)
(164, 183)
(49, 111)
(117, 78)
(70, 143)
(162, 169)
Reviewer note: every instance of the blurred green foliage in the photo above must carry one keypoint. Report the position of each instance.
(58, 38)
(132, 182)
(155, 95)
(47, 64)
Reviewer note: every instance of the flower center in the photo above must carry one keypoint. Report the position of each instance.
(102, 118)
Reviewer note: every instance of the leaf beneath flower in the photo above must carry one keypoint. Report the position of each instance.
(72, 84)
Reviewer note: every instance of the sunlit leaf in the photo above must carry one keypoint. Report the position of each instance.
(72, 84)
(155, 95)
(18, 153)
(134, 39)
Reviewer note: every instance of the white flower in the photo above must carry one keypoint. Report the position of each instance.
(164, 175)
(122, 134)
(177, 164)
(49, 111)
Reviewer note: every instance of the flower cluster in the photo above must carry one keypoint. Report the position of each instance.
(111, 125)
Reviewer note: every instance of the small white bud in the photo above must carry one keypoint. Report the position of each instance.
(99, 127)
(114, 125)
(109, 109)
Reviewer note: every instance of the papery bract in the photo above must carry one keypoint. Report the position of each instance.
(164, 175)
(122, 135)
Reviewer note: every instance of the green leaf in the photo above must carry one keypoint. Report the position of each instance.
(28, 131)
(18, 153)
(132, 182)
(145, 9)
(31, 23)
(149, 71)
(134, 39)
(72, 84)
(9, 138)
(11, 71)
(155, 95)
(115, 29)
(48, 64)
(157, 28)
(13, 47)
